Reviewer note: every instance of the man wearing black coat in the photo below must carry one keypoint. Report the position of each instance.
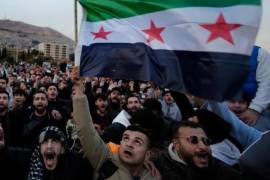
(189, 157)
(49, 161)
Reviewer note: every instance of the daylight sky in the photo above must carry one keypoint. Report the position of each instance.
(59, 15)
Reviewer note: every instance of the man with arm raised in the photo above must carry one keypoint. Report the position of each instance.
(134, 147)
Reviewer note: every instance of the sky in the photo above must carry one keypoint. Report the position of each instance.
(59, 15)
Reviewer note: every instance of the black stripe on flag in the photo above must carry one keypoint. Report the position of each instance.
(210, 75)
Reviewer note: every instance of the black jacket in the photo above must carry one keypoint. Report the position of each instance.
(14, 163)
(71, 167)
(34, 124)
(173, 170)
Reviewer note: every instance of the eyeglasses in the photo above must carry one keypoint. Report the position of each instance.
(195, 140)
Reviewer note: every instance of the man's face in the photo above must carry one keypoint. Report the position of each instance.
(23, 86)
(2, 139)
(11, 79)
(33, 77)
(101, 104)
(115, 96)
(168, 98)
(3, 102)
(52, 93)
(133, 104)
(50, 150)
(191, 146)
(133, 148)
(40, 102)
(238, 107)
(3, 84)
(62, 84)
(19, 100)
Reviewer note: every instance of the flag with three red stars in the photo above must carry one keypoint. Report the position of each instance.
(196, 46)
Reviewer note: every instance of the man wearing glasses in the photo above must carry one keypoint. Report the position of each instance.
(189, 156)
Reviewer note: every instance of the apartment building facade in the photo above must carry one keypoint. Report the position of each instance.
(54, 50)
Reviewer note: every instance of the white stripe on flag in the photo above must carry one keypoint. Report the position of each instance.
(183, 31)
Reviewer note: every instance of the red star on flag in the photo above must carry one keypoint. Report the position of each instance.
(154, 33)
(220, 29)
(101, 33)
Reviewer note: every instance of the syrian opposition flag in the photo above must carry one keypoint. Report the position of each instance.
(196, 46)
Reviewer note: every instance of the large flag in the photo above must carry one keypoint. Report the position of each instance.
(196, 46)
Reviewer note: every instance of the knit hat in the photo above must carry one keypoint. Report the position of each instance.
(36, 166)
(52, 132)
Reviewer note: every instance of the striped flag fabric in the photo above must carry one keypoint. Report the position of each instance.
(201, 47)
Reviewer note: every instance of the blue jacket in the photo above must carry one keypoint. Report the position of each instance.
(250, 86)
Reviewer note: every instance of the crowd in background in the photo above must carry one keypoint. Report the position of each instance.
(36, 108)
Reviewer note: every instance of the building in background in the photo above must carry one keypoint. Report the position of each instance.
(54, 50)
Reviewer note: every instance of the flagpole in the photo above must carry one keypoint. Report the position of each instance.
(75, 23)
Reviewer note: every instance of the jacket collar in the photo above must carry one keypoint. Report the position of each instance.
(174, 155)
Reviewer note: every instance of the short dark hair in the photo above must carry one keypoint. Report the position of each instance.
(153, 124)
(138, 128)
(100, 96)
(5, 78)
(115, 89)
(182, 124)
(51, 84)
(40, 92)
(166, 91)
(20, 92)
(133, 95)
(242, 96)
(4, 92)
(153, 105)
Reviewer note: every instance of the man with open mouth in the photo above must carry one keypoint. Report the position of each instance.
(53, 161)
(134, 148)
(189, 156)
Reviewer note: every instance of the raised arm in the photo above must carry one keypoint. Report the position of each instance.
(245, 134)
(93, 146)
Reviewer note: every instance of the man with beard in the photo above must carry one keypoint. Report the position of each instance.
(114, 98)
(102, 118)
(134, 148)
(169, 108)
(49, 161)
(114, 132)
(189, 157)
(54, 104)
(52, 160)
(38, 118)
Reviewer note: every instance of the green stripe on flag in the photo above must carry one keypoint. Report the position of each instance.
(99, 10)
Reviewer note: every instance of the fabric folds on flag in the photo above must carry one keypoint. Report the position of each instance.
(200, 47)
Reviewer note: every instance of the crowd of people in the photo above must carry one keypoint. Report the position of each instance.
(57, 125)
